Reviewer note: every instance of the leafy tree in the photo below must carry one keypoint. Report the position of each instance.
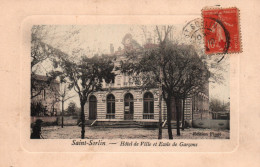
(217, 106)
(72, 109)
(183, 72)
(85, 76)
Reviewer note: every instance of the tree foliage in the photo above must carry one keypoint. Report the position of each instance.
(85, 76)
(72, 109)
(216, 105)
(183, 71)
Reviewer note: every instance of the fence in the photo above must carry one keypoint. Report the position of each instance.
(221, 115)
(52, 120)
(68, 120)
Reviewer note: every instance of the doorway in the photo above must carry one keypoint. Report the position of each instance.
(129, 107)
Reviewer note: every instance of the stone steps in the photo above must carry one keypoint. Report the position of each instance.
(127, 124)
(119, 124)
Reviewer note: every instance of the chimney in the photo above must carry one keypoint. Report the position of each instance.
(111, 48)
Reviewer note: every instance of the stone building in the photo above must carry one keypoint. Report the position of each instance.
(123, 101)
(46, 93)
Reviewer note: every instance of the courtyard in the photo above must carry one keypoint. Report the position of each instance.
(74, 132)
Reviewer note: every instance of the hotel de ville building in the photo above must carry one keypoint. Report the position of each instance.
(122, 102)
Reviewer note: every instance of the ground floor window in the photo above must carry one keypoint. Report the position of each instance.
(110, 107)
(148, 106)
(92, 107)
(129, 106)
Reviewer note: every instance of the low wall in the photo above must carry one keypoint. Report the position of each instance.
(68, 120)
(211, 123)
(56, 120)
(53, 120)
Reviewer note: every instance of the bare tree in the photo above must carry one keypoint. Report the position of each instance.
(162, 46)
(44, 46)
(39, 53)
(182, 71)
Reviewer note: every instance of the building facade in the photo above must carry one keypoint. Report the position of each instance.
(45, 93)
(122, 100)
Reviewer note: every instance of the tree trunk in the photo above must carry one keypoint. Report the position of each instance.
(169, 117)
(160, 114)
(177, 106)
(192, 110)
(82, 121)
(183, 110)
(160, 100)
(62, 111)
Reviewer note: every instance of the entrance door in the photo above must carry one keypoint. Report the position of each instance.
(129, 106)
(92, 108)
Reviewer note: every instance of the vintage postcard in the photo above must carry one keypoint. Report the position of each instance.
(132, 83)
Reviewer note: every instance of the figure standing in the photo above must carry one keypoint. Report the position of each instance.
(36, 132)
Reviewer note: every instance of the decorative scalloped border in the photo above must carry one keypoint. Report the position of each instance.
(240, 36)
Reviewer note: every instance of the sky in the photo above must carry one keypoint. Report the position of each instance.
(92, 39)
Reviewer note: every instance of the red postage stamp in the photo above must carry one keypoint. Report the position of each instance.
(222, 31)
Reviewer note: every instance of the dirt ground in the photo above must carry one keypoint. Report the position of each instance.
(74, 132)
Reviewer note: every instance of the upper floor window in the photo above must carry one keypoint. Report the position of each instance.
(130, 81)
(118, 80)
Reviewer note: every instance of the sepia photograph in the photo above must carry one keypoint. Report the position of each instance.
(129, 82)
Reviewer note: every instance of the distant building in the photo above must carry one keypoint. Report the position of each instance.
(45, 91)
(122, 100)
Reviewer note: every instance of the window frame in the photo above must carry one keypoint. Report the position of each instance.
(111, 106)
(148, 106)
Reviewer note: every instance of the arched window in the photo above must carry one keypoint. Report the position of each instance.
(92, 107)
(129, 106)
(111, 106)
(148, 106)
